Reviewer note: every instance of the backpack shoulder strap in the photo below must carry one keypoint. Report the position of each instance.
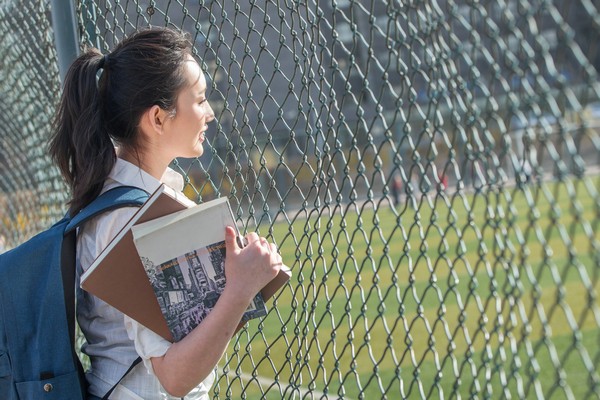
(120, 196)
(133, 364)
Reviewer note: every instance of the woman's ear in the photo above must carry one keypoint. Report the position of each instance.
(153, 120)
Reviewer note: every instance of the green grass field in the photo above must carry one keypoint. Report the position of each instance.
(484, 295)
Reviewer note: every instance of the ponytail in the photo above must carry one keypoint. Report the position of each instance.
(80, 145)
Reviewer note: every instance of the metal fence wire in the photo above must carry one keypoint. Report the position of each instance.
(428, 169)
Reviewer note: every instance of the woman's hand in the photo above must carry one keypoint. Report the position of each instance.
(248, 269)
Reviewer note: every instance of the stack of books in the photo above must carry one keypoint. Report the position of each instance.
(166, 267)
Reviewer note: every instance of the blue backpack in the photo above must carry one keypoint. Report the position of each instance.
(37, 308)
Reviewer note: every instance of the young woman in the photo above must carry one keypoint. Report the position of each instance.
(123, 117)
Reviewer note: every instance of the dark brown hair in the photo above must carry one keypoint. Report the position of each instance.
(144, 70)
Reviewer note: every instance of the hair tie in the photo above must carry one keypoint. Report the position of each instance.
(104, 62)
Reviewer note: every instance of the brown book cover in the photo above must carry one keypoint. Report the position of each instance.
(118, 277)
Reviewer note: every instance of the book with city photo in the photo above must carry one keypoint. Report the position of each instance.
(183, 255)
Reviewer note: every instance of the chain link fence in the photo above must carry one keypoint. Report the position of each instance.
(428, 168)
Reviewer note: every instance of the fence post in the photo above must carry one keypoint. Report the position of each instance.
(65, 34)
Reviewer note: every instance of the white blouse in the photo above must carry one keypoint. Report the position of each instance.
(113, 340)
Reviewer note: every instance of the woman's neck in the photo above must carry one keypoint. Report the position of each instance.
(152, 165)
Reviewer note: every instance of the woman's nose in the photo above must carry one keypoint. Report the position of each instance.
(210, 114)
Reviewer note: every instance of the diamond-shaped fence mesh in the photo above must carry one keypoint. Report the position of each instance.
(428, 169)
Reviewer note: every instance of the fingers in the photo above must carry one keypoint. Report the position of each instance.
(253, 239)
(273, 247)
(229, 234)
(231, 245)
(252, 266)
(232, 239)
(241, 241)
(265, 243)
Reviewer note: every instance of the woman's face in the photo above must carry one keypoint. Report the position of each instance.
(186, 130)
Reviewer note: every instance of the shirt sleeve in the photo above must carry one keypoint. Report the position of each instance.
(147, 343)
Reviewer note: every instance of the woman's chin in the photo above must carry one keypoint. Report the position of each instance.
(197, 152)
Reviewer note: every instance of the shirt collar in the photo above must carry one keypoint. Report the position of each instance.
(126, 173)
